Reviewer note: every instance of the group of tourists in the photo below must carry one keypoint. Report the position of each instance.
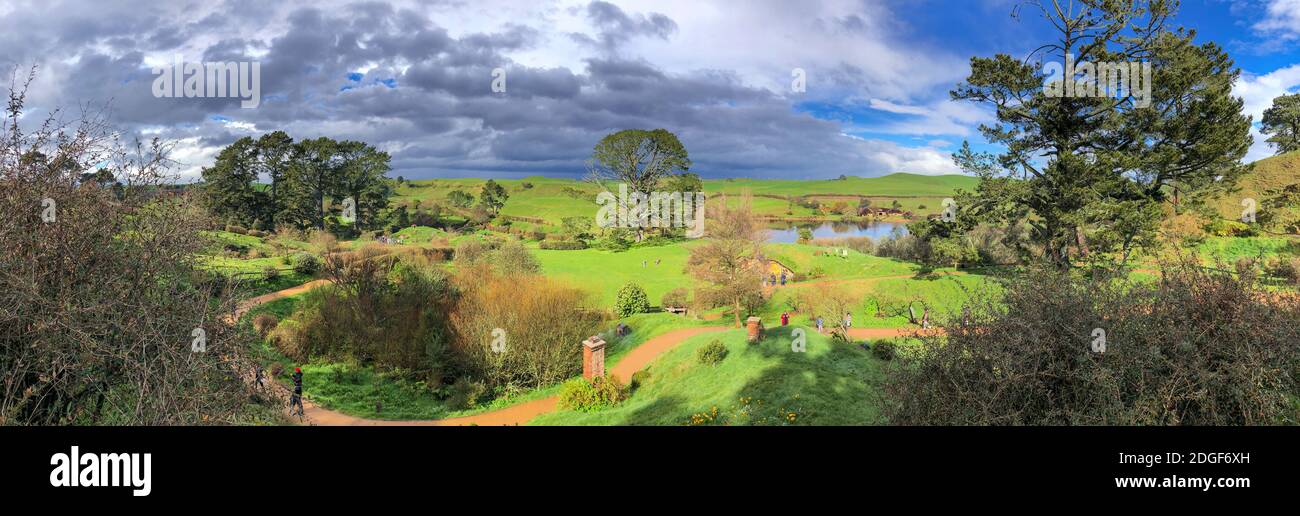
(821, 323)
(772, 281)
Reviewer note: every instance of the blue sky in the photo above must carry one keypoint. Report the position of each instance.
(413, 77)
(1257, 39)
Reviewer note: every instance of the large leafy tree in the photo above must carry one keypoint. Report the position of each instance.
(361, 177)
(1089, 174)
(230, 190)
(312, 175)
(302, 176)
(1282, 122)
(493, 197)
(641, 159)
(274, 151)
(638, 157)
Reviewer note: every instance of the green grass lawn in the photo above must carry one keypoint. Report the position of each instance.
(943, 293)
(602, 273)
(760, 384)
(1229, 249)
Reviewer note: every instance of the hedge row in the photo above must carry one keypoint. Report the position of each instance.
(563, 245)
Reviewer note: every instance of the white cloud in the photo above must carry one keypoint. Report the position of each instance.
(886, 157)
(1281, 19)
(1258, 92)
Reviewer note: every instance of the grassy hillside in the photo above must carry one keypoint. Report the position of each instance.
(1274, 172)
(760, 384)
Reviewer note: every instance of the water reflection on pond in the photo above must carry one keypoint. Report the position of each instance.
(788, 232)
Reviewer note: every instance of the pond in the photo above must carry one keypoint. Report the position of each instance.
(788, 232)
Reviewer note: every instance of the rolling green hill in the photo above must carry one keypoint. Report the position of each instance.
(1273, 172)
(553, 199)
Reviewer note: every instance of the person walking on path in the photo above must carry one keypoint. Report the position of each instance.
(848, 320)
(820, 324)
(295, 401)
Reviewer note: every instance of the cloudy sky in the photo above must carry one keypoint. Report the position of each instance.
(415, 78)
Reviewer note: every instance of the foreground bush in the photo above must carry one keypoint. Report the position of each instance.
(1193, 349)
(599, 393)
(103, 298)
(539, 322)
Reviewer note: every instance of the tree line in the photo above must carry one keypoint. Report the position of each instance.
(302, 176)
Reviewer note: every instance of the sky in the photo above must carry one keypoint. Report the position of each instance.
(415, 78)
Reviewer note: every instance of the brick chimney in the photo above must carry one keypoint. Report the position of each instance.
(593, 357)
(755, 327)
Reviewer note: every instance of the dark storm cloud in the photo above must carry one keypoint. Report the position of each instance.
(617, 27)
(399, 79)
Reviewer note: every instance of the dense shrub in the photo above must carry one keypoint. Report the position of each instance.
(382, 310)
(883, 349)
(631, 300)
(902, 246)
(1285, 267)
(257, 233)
(511, 258)
(616, 241)
(599, 393)
(264, 323)
(270, 273)
(711, 354)
(471, 250)
(951, 252)
(97, 305)
(677, 297)
(1195, 348)
(239, 230)
(1229, 228)
(306, 264)
(563, 245)
(466, 393)
(995, 245)
(864, 245)
(639, 379)
(543, 321)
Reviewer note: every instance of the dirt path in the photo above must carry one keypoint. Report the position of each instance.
(634, 361)
(519, 414)
(248, 304)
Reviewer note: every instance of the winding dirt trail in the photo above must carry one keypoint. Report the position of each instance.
(250, 303)
(634, 361)
(519, 414)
